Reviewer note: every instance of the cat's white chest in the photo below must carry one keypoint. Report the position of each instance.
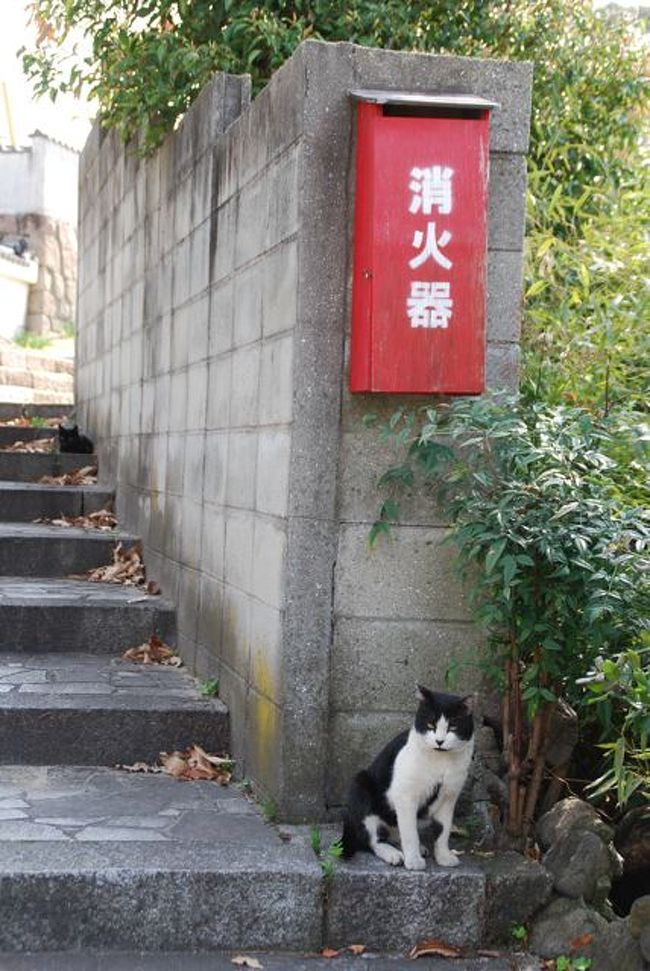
(418, 773)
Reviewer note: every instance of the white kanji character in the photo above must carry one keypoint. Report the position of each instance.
(431, 248)
(431, 187)
(430, 304)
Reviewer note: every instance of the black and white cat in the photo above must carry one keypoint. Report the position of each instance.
(416, 778)
(70, 440)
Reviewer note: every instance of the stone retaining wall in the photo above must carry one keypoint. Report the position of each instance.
(214, 319)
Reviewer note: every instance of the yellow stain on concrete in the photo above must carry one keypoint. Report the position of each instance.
(265, 723)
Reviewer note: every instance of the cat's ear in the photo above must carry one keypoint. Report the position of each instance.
(61, 428)
(469, 703)
(423, 694)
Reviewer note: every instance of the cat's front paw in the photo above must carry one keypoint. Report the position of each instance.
(447, 858)
(389, 854)
(414, 862)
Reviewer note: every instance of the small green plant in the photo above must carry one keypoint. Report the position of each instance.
(519, 933)
(38, 422)
(326, 858)
(564, 963)
(270, 810)
(35, 342)
(68, 329)
(210, 688)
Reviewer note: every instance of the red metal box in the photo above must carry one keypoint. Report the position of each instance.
(418, 298)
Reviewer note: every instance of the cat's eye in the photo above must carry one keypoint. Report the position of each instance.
(431, 727)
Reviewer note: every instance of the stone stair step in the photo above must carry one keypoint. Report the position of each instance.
(41, 379)
(220, 961)
(23, 502)
(79, 709)
(36, 550)
(100, 859)
(46, 409)
(30, 360)
(53, 615)
(33, 397)
(30, 467)
(10, 434)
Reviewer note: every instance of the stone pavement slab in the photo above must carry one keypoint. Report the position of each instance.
(53, 614)
(80, 709)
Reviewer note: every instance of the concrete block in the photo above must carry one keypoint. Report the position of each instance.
(507, 202)
(269, 551)
(174, 480)
(219, 389)
(276, 381)
(410, 575)
(240, 475)
(279, 281)
(182, 191)
(354, 739)
(193, 466)
(284, 195)
(239, 549)
(220, 320)
(263, 744)
(210, 615)
(235, 634)
(502, 367)
(198, 329)
(392, 908)
(223, 229)
(180, 336)
(162, 416)
(266, 651)
(272, 474)
(377, 663)
(181, 273)
(505, 285)
(365, 456)
(188, 603)
(234, 690)
(213, 532)
(253, 203)
(201, 189)
(245, 386)
(190, 544)
(216, 464)
(200, 258)
(178, 400)
(247, 319)
(197, 395)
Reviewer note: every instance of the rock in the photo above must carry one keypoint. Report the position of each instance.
(560, 923)
(562, 734)
(569, 815)
(614, 949)
(581, 865)
(639, 917)
(516, 889)
(632, 840)
(644, 943)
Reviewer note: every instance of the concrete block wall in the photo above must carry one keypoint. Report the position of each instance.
(212, 366)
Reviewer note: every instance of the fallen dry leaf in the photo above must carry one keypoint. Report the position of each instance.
(434, 947)
(484, 952)
(196, 765)
(127, 568)
(102, 520)
(356, 949)
(153, 652)
(84, 476)
(244, 961)
(140, 767)
(37, 446)
(579, 942)
(329, 952)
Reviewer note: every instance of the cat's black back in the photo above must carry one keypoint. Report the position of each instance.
(71, 441)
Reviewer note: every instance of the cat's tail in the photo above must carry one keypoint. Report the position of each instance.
(355, 835)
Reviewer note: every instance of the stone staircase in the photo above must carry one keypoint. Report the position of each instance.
(95, 859)
(31, 377)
